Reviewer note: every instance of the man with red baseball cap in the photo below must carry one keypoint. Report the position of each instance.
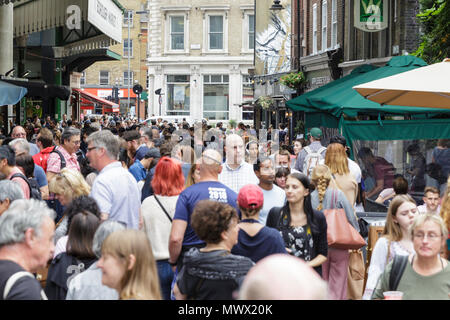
(255, 240)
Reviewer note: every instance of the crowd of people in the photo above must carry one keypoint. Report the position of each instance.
(109, 208)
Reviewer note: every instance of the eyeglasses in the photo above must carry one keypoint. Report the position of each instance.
(431, 236)
(76, 142)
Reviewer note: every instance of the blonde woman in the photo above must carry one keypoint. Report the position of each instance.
(328, 196)
(128, 266)
(67, 185)
(426, 275)
(396, 239)
(193, 175)
(336, 160)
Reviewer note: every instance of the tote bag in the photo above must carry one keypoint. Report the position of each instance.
(340, 233)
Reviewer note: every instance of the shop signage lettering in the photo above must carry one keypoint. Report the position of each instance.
(371, 15)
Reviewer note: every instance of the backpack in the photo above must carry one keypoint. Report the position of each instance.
(312, 159)
(35, 192)
(398, 267)
(63, 161)
(12, 281)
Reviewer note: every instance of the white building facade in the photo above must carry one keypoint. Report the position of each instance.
(200, 56)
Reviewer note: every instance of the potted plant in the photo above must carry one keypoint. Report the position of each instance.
(265, 102)
(293, 80)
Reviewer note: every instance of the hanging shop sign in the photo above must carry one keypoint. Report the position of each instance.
(107, 17)
(371, 15)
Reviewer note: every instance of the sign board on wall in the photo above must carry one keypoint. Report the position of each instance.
(371, 15)
(107, 17)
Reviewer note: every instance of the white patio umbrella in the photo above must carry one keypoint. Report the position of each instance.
(427, 87)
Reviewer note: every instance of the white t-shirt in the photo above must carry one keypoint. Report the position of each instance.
(272, 198)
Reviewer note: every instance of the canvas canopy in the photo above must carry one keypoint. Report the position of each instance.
(337, 104)
(11, 94)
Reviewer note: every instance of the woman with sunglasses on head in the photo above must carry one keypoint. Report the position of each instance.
(395, 240)
(304, 230)
(426, 275)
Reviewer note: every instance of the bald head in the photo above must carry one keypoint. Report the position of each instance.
(282, 277)
(234, 148)
(211, 164)
(18, 132)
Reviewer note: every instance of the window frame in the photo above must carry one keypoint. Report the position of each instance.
(334, 24)
(125, 18)
(206, 33)
(100, 77)
(184, 83)
(246, 32)
(132, 78)
(168, 46)
(83, 78)
(212, 83)
(314, 29)
(324, 26)
(128, 41)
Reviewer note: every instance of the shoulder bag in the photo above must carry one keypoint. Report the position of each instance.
(340, 233)
(164, 209)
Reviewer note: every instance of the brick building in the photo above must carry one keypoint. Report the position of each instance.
(101, 77)
(332, 46)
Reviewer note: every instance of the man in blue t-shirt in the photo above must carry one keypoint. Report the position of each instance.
(182, 236)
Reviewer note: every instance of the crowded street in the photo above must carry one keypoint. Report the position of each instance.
(235, 151)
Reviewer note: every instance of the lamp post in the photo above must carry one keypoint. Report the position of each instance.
(129, 13)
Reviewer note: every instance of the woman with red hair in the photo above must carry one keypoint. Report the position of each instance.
(157, 213)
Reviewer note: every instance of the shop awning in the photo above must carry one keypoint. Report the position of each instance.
(81, 61)
(107, 105)
(10, 94)
(42, 89)
(338, 98)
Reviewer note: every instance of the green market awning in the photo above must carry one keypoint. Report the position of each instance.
(337, 103)
(339, 98)
(10, 93)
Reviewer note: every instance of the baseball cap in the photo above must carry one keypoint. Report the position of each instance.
(250, 197)
(315, 132)
(339, 139)
(153, 153)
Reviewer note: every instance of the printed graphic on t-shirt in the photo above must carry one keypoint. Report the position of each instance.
(218, 194)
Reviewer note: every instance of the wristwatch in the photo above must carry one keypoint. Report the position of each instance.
(173, 264)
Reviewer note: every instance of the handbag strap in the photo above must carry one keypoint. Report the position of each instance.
(164, 209)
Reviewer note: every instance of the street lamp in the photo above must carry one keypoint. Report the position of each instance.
(276, 5)
(129, 13)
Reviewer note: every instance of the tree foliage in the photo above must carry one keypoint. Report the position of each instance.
(435, 21)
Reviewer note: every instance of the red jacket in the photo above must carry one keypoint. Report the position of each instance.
(41, 158)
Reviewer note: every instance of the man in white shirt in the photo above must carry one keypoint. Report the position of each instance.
(115, 190)
(274, 196)
(431, 199)
(236, 173)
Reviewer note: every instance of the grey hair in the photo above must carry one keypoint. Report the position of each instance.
(10, 190)
(104, 230)
(20, 145)
(106, 140)
(22, 215)
(421, 218)
(68, 133)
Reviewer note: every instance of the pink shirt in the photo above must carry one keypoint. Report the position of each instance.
(23, 184)
(54, 161)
